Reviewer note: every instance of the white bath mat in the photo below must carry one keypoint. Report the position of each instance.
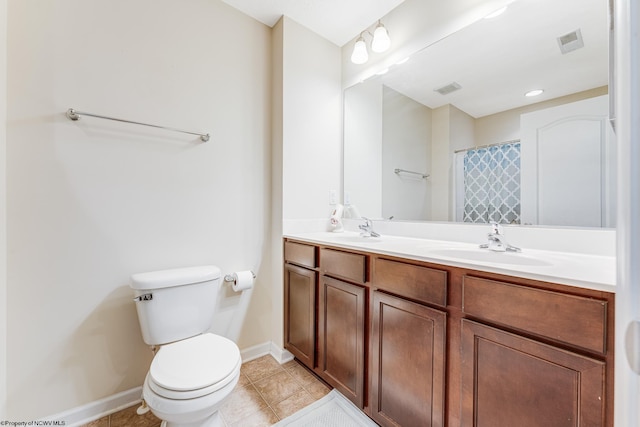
(333, 410)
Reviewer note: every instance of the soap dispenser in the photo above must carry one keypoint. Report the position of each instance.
(335, 220)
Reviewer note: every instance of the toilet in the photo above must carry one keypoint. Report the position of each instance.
(193, 371)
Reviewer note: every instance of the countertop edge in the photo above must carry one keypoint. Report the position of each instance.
(571, 273)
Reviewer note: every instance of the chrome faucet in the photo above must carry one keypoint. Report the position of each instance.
(367, 228)
(496, 240)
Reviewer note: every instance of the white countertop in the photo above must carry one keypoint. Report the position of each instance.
(573, 269)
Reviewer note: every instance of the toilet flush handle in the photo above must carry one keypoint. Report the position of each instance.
(144, 297)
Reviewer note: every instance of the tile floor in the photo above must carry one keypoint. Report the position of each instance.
(266, 393)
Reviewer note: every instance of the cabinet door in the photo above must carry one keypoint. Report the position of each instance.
(299, 313)
(341, 327)
(509, 380)
(408, 363)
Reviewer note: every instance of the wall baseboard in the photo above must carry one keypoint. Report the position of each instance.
(101, 408)
(280, 354)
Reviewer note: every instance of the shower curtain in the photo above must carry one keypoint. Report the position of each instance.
(492, 184)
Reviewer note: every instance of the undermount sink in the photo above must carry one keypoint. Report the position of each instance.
(485, 255)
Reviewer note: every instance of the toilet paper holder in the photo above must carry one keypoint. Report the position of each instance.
(229, 277)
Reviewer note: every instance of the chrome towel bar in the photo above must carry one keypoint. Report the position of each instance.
(399, 171)
(74, 115)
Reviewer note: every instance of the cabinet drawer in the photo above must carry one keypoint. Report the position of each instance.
(571, 319)
(411, 281)
(301, 254)
(343, 264)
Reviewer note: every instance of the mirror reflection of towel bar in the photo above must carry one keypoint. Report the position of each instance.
(399, 171)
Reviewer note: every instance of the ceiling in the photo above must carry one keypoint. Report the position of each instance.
(495, 61)
(338, 21)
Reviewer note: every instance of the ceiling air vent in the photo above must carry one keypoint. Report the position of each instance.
(451, 87)
(570, 42)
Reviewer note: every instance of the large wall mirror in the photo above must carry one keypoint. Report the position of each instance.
(449, 135)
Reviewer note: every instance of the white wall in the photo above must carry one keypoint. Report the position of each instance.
(3, 210)
(312, 117)
(461, 136)
(277, 114)
(452, 130)
(440, 149)
(363, 147)
(307, 155)
(406, 144)
(463, 128)
(91, 202)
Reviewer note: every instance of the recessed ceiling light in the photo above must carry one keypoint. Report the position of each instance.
(496, 13)
(535, 92)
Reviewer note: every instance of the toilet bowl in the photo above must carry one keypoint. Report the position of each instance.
(190, 379)
(193, 371)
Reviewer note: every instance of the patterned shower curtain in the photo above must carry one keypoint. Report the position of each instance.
(492, 184)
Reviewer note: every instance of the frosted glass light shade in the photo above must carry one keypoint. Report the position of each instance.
(381, 40)
(360, 55)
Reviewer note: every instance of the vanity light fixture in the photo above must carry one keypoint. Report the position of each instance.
(360, 54)
(380, 43)
(534, 92)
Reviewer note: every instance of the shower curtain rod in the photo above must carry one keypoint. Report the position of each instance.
(74, 115)
(486, 146)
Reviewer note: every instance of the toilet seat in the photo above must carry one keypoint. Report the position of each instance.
(194, 367)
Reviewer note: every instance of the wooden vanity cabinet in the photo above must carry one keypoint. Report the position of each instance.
(342, 326)
(341, 337)
(408, 344)
(422, 344)
(533, 357)
(300, 290)
(509, 380)
(408, 363)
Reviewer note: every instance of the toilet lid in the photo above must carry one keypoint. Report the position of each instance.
(194, 363)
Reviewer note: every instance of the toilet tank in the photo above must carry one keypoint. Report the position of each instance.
(175, 304)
